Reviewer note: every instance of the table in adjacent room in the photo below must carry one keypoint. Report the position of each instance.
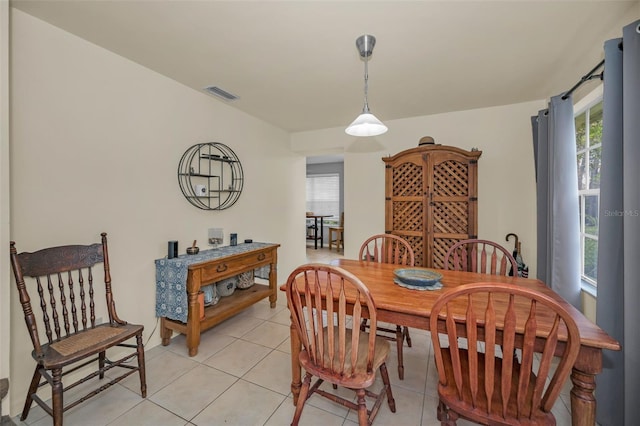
(315, 237)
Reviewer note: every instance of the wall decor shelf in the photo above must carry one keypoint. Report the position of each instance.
(210, 176)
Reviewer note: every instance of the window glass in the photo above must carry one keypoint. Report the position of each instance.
(323, 194)
(589, 148)
(581, 132)
(595, 124)
(590, 259)
(591, 206)
(594, 167)
(582, 171)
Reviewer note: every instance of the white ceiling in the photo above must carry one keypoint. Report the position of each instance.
(294, 63)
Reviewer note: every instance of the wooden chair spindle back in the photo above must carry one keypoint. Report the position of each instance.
(522, 392)
(62, 278)
(387, 248)
(323, 327)
(482, 256)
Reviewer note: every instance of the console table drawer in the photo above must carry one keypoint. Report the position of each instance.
(226, 268)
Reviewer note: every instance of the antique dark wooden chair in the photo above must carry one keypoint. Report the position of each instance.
(389, 248)
(482, 256)
(332, 351)
(61, 279)
(479, 384)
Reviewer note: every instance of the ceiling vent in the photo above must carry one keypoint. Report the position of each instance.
(216, 91)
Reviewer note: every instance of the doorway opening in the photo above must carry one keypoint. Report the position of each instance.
(324, 197)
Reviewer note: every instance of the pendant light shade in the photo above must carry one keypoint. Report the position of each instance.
(366, 124)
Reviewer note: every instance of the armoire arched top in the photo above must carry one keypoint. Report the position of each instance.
(433, 148)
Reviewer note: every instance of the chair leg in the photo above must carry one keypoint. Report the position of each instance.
(405, 332)
(385, 380)
(33, 388)
(101, 358)
(363, 417)
(302, 397)
(363, 325)
(57, 402)
(399, 344)
(446, 416)
(441, 411)
(141, 366)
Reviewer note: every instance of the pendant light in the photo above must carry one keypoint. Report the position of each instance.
(366, 124)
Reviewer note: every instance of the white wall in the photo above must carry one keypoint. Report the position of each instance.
(95, 145)
(506, 176)
(4, 200)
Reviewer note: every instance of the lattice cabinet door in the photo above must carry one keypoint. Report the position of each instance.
(431, 199)
(405, 189)
(453, 201)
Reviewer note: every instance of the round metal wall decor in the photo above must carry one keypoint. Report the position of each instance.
(210, 176)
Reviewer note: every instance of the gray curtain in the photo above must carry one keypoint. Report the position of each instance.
(617, 309)
(558, 238)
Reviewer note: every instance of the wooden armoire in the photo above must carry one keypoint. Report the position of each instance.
(431, 199)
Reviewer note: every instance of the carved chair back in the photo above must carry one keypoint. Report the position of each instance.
(323, 326)
(65, 290)
(482, 256)
(387, 248)
(476, 381)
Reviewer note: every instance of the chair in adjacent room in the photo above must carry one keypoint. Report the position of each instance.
(332, 351)
(479, 384)
(338, 239)
(482, 256)
(389, 248)
(65, 329)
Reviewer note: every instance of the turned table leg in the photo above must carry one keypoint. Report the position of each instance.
(193, 322)
(194, 280)
(273, 281)
(583, 377)
(583, 403)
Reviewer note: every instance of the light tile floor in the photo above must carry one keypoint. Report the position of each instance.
(242, 376)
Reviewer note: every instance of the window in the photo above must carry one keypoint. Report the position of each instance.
(589, 148)
(323, 194)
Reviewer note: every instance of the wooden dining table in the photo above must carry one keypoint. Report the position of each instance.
(412, 308)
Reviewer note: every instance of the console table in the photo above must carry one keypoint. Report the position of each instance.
(178, 282)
